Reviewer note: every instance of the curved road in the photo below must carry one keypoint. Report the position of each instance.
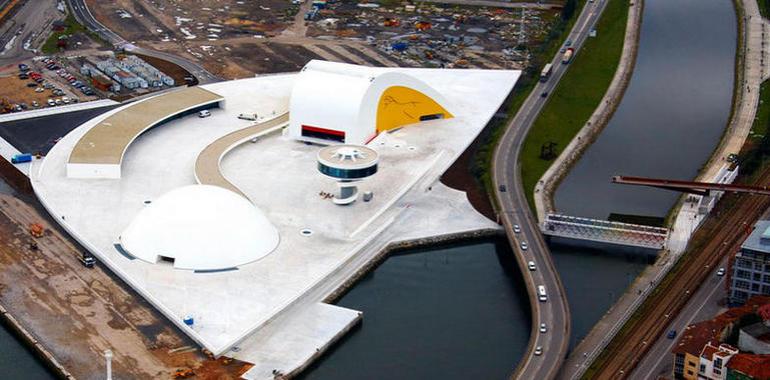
(81, 12)
(515, 211)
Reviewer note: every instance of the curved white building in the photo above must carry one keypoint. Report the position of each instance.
(342, 103)
(200, 227)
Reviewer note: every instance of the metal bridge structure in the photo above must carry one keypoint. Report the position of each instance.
(605, 231)
(700, 188)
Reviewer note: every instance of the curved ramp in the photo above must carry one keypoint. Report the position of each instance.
(99, 152)
(207, 169)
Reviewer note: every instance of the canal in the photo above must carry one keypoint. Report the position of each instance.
(670, 120)
(451, 312)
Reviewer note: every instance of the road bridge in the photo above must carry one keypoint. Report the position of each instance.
(605, 231)
(514, 211)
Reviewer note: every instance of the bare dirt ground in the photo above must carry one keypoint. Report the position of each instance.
(78, 313)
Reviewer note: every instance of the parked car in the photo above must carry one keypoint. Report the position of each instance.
(31, 84)
(204, 113)
(58, 102)
(51, 103)
(35, 104)
(65, 100)
(39, 89)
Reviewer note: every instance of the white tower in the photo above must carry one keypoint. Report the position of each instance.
(347, 164)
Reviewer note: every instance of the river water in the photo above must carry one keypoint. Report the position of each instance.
(669, 121)
(461, 312)
(458, 312)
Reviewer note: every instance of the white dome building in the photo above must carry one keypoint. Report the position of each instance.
(200, 227)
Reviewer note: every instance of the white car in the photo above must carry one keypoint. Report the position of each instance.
(204, 113)
(516, 228)
(538, 351)
(524, 246)
(248, 116)
(543, 329)
(721, 272)
(531, 265)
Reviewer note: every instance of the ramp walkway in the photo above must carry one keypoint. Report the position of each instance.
(99, 152)
(207, 168)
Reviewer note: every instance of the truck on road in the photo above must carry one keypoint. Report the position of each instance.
(567, 57)
(546, 72)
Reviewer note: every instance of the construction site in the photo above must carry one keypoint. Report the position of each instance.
(235, 39)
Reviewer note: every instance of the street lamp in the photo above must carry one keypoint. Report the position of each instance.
(108, 358)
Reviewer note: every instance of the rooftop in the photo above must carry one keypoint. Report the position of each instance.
(107, 141)
(755, 366)
(759, 240)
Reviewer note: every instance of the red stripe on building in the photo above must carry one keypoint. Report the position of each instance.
(323, 130)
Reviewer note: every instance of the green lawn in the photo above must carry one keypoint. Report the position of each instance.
(577, 95)
(764, 7)
(761, 120)
(72, 27)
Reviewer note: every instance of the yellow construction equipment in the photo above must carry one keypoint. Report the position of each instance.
(183, 373)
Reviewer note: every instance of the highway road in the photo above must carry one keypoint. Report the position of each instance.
(84, 16)
(515, 211)
(30, 19)
(702, 306)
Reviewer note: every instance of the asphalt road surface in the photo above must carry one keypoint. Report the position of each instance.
(84, 16)
(702, 306)
(24, 26)
(515, 211)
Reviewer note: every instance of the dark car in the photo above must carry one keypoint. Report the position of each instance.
(502, 188)
(544, 94)
(671, 334)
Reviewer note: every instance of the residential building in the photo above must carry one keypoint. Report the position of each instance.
(751, 270)
(713, 359)
(748, 367)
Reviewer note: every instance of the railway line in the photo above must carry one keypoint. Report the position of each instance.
(722, 234)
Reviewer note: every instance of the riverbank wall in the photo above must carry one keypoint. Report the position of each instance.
(395, 247)
(559, 169)
(30, 341)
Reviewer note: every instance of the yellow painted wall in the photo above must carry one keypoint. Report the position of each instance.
(399, 106)
(691, 364)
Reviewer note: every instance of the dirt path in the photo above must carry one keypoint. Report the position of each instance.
(77, 313)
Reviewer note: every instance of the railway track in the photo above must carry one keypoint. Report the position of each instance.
(723, 236)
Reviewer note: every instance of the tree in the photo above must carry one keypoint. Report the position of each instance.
(568, 10)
